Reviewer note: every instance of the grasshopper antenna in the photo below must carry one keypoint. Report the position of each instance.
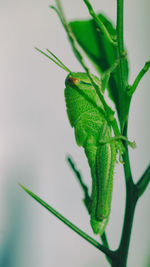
(55, 59)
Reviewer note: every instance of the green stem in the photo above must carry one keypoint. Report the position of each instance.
(120, 40)
(99, 23)
(87, 199)
(105, 243)
(120, 5)
(121, 253)
(131, 192)
(140, 75)
(127, 227)
(143, 182)
(131, 200)
(127, 168)
(123, 98)
(104, 240)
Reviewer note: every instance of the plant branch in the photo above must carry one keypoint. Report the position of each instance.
(123, 98)
(120, 40)
(88, 238)
(120, 37)
(127, 168)
(143, 182)
(105, 243)
(87, 199)
(99, 23)
(132, 88)
(104, 240)
(131, 200)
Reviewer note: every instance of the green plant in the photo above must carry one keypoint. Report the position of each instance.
(106, 50)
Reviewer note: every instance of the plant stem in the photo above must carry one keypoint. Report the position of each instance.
(138, 78)
(131, 189)
(120, 37)
(143, 182)
(99, 23)
(123, 98)
(127, 227)
(120, 40)
(121, 253)
(131, 200)
(105, 243)
(87, 199)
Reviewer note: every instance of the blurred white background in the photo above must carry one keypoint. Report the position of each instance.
(35, 137)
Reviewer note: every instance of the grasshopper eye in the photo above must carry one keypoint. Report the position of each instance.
(73, 80)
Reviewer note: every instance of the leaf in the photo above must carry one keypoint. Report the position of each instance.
(98, 48)
(88, 238)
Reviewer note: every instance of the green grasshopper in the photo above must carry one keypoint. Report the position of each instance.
(93, 121)
(93, 131)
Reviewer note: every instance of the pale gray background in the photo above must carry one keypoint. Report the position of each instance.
(35, 137)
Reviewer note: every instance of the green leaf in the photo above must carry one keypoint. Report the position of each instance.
(88, 238)
(100, 50)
